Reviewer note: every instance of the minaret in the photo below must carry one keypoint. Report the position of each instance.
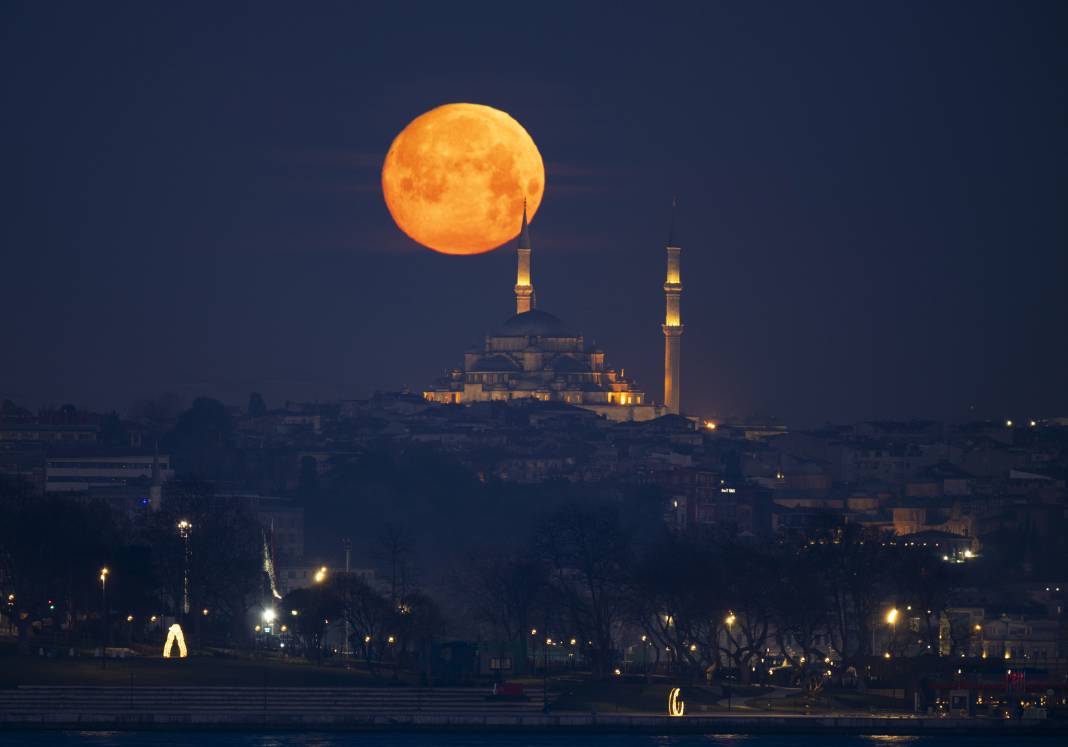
(524, 291)
(672, 321)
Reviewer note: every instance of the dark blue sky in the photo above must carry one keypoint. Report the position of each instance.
(871, 198)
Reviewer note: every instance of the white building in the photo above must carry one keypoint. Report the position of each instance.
(65, 474)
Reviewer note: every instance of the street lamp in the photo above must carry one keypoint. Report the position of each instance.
(320, 575)
(730, 635)
(104, 596)
(891, 620)
(184, 529)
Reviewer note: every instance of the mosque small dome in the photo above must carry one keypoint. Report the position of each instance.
(566, 363)
(495, 363)
(535, 322)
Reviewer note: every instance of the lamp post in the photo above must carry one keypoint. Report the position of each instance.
(104, 598)
(891, 620)
(545, 678)
(347, 544)
(184, 529)
(730, 636)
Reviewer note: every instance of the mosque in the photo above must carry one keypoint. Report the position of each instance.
(534, 355)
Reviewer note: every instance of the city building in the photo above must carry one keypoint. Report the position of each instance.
(97, 469)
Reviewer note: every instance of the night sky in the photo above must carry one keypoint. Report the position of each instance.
(872, 199)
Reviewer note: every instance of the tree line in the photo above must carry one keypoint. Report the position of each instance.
(703, 599)
(697, 600)
(53, 550)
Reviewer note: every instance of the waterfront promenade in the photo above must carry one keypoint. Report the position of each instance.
(385, 708)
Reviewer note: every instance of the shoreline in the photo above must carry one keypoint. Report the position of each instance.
(551, 724)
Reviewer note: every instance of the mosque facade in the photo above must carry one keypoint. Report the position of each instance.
(535, 355)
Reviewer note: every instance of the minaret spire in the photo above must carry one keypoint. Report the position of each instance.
(672, 319)
(524, 290)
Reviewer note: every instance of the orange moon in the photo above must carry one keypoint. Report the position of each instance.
(455, 178)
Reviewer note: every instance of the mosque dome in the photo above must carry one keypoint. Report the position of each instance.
(495, 363)
(535, 322)
(567, 364)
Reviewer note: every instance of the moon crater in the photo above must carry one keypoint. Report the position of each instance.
(456, 177)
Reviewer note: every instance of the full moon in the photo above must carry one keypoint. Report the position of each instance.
(456, 177)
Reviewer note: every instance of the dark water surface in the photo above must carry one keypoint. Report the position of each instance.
(268, 739)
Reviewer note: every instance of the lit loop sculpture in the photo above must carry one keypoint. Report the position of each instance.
(675, 705)
(175, 635)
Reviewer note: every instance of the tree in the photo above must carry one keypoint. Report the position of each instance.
(925, 582)
(203, 439)
(418, 621)
(503, 589)
(367, 613)
(225, 554)
(257, 407)
(750, 587)
(394, 551)
(799, 609)
(676, 597)
(51, 553)
(588, 555)
(314, 607)
(855, 564)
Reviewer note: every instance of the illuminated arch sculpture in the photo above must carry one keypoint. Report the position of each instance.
(175, 635)
(676, 707)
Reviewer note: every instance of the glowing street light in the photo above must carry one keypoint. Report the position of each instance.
(891, 620)
(320, 575)
(104, 595)
(268, 615)
(184, 529)
(730, 638)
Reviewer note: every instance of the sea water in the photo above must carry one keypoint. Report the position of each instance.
(425, 739)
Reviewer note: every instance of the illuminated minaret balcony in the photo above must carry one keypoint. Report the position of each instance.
(672, 322)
